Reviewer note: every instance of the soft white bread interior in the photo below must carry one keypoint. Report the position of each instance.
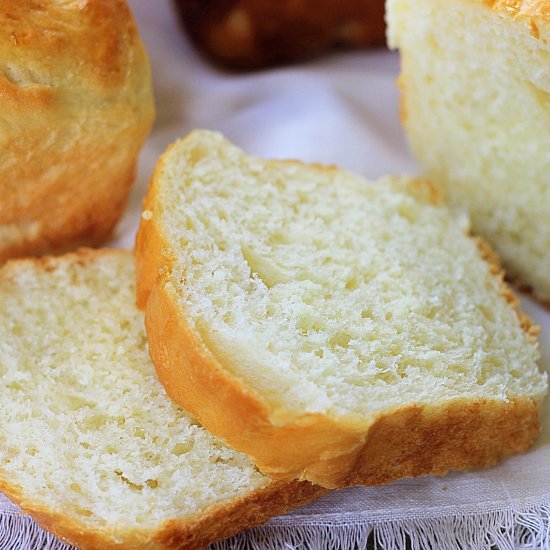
(476, 107)
(76, 105)
(90, 444)
(336, 329)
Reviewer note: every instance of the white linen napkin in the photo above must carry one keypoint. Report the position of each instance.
(342, 109)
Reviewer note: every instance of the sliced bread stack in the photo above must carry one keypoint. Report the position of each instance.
(475, 101)
(89, 443)
(337, 330)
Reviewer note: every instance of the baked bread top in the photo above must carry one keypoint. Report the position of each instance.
(91, 445)
(76, 105)
(302, 312)
(250, 34)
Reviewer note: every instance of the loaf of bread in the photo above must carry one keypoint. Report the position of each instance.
(338, 330)
(248, 34)
(475, 86)
(75, 107)
(91, 446)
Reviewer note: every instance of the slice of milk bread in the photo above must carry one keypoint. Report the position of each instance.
(475, 84)
(90, 444)
(338, 330)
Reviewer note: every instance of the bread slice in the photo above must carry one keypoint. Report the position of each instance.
(337, 330)
(89, 443)
(476, 107)
(76, 105)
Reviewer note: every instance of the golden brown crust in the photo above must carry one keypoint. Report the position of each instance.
(76, 107)
(522, 9)
(225, 521)
(425, 439)
(88, 218)
(152, 257)
(457, 435)
(245, 34)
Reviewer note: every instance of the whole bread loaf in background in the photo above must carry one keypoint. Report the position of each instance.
(338, 330)
(475, 83)
(91, 445)
(247, 34)
(76, 106)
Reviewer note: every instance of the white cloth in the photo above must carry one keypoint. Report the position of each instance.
(341, 109)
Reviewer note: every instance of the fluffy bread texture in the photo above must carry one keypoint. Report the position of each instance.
(90, 444)
(337, 330)
(476, 108)
(76, 105)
